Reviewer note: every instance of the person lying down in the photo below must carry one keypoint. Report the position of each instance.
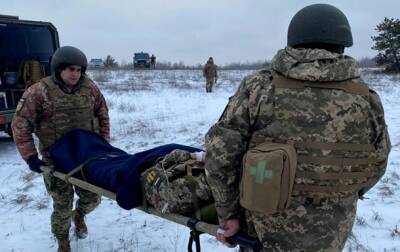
(170, 177)
(177, 184)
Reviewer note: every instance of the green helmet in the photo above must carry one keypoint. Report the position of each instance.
(319, 24)
(68, 55)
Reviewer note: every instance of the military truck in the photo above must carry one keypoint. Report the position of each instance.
(141, 60)
(26, 48)
(96, 63)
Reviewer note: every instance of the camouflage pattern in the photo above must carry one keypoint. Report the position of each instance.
(211, 75)
(259, 112)
(209, 84)
(36, 108)
(210, 70)
(63, 196)
(305, 227)
(68, 112)
(316, 65)
(40, 111)
(169, 189)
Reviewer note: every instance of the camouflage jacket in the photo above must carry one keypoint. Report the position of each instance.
(249, 118)
(176, 184)
(210, 71)
(35, 107)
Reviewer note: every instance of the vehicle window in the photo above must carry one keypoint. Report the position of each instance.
(39, 40)
(21, 41)
(12, 42)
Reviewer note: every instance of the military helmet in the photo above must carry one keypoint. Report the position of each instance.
(68, 55)
(319, 24)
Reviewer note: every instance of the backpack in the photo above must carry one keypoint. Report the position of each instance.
(29, 72)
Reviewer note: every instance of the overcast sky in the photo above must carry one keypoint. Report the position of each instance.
(191, 31)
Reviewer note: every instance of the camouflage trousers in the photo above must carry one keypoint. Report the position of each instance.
(63, 196)
(209, 84)
(305, 226)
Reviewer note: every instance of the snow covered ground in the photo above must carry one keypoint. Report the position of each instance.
(150, 108)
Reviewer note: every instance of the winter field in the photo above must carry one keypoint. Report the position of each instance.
(151, 108)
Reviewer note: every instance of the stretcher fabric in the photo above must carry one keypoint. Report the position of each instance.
(110, 168)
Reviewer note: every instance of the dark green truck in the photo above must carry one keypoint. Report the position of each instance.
(21, 41)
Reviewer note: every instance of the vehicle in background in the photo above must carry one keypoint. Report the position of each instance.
(141, 60)
(96, 63)
(26, 48)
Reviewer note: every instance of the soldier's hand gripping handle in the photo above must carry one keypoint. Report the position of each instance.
(245, 242)
(35, 163)
(227, 229)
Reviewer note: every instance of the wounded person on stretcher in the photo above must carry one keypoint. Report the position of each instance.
(170, 177)
(177, 184)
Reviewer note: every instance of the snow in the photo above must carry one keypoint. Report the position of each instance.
(150, 108)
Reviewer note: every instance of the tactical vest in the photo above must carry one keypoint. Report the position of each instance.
(67, 111)
(178, 187)
(329, 125)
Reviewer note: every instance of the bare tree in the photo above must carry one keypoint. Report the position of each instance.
(110, 62)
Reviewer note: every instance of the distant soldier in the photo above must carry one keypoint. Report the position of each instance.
(49, 108)
(300, 143)
(153, 61)
(210, 73)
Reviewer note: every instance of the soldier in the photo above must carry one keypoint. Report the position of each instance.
(210, 73)
(153, 61)
(56, 104)
(313, 103)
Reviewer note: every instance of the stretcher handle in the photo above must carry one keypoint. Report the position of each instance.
(246, 242)
(211, 229)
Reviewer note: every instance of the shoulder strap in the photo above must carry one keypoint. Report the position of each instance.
(49, 83)
(348, 86)
(85, 85)
(335, 146)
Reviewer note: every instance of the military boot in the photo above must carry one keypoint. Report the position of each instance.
(81, 230)
(63, 245)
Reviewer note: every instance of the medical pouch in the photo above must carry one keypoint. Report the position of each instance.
(267, 178)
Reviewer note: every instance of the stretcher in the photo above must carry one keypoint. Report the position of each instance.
(197, 227)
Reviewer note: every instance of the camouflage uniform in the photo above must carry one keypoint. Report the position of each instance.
(261, 112)
(211, 75)
(176, 184)
(48, 110)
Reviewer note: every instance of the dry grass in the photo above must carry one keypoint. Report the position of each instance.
(101, 76)
(355, 245)
(360, 221)
(42, 204)
(21, 199)
(395, 176)
(128, 86)
(126, 107)
(395, 232)
(29, 176)
(377, 217)
(385, 191)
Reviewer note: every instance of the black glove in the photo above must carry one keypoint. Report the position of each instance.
(34, 163)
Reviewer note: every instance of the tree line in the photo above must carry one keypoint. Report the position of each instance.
(387, 43)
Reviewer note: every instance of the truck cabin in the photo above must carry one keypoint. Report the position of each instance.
(141, 60)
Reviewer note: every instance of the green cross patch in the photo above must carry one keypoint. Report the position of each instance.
(260, 171)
